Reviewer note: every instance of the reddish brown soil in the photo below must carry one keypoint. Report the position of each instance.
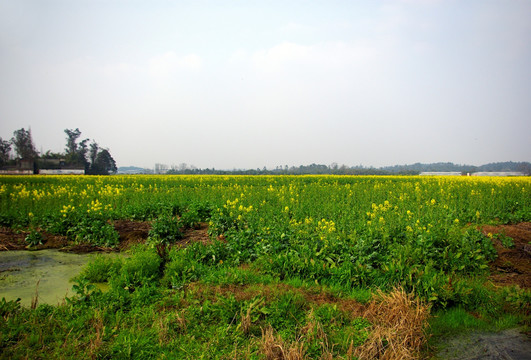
(513, 265)
(198, 234)
(14, 240)
(130, 232)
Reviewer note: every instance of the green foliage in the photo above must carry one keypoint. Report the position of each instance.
(139, 269)
(131, 344)
(34, 238)
(458, 320)
(181, 269)
(8, 308)
(274, 240)
(83, 289)
(505, 240)
(518, 298)
(103, 163)
(101, 269)
(165, 230)
(190, 219)
(8, 220)
(94, 230)
(23, 144)
(287, 312)
(5, 149)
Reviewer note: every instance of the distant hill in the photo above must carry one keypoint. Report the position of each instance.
(438, 167)
(133, 170)
(524, 167)
(413, 169)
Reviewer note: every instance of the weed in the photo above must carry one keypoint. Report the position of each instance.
(34, 238)
(94, 231)
(101, 268)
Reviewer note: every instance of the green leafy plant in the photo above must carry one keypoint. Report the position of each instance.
(101, 268)
(182, 268)
(34, 238)
(190, 219)
(165, 230)
(9, 307)
(141, 268)
(95, 231)
(506, 241)
(83, 289)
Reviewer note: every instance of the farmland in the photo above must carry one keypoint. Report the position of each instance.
(308, 266)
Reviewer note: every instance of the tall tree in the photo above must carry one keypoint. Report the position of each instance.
(71, 141)
(104, 164)
(93, 152)
(24, 145)
(76, 153)
(5, 150)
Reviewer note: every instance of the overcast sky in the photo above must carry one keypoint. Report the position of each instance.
(247, 84)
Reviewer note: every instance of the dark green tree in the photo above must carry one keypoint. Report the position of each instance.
(104, 164)
(93, 152)
(23, 143)
(5, 150)
(76, 153)
(51, 155)
(71, 141)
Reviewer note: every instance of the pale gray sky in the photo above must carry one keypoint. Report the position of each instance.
(247, 84)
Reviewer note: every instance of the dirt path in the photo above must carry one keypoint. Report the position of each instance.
(507, 345)
(513, 265)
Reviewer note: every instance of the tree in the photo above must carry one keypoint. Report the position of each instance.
(103, 164)
(71, 141)
(24, 145)
(93, 152)
(5, 150)
(76, 153)
(51, 155)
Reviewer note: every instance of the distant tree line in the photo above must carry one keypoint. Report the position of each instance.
(83, 154)
(335, 169)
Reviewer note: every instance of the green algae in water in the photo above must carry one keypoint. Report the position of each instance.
(48, 271)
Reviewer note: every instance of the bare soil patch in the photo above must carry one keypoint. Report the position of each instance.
(14, 240)
(130, 233)
(508, 345)
(513, 265)
(197, 234)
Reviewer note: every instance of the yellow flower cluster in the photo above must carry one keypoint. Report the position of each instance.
(67, 209)
(95, 207)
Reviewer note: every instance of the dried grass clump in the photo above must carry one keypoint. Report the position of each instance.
(398, 322)
(313, 330)
(275, 348)
(97, 341)
(245, 324)
(35, 298)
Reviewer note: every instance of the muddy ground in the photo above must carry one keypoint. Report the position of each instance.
(505, 345)
(130, 232)
(513, 265)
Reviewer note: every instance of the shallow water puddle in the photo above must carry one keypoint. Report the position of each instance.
(48, 271)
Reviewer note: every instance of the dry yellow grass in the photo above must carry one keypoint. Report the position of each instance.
(275, 348)
(398, 327)
(397, 332)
